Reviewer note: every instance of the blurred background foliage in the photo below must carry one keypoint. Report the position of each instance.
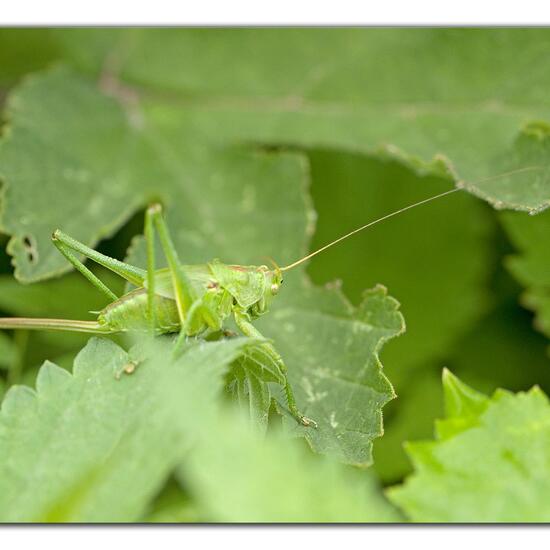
(467, 276)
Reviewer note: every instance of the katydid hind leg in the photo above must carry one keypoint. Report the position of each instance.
(150, 243)
(190, 316)
(182, 285)
(248, 329)
(67, 244)
(186, 301)
(65, 325)
(80, 267)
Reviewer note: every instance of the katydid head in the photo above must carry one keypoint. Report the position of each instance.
(274, 277)
(274, 280)
(271, 281)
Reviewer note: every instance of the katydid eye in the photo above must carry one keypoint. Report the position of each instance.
(274, 288)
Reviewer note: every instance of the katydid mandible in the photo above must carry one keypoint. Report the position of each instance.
(192, 300)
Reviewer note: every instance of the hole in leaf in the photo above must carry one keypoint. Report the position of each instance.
(29, 245)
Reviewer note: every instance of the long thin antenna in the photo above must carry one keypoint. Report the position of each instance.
(400, 211)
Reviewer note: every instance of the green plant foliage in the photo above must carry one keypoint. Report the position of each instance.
(500, 350)
(83, 154)
(101, 447)
(95, 448)
(267, 144)
(489, 462)
(276, 202)
(451, 263)
(332, 353)
(317, 490)
(370, 90)
(172, 505)
(530, 265)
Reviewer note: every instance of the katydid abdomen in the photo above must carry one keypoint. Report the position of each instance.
(130, 313)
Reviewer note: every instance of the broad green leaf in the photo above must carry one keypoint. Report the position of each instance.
(331, 350)
(489, 463)
(120, 160)
(463, 406)
(277, 481)
(530, 264)
(470, 102)
(87, 447)
(97, 449)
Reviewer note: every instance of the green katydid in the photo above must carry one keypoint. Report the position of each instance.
(192, 300)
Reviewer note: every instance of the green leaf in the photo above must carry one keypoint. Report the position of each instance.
(277, 481)
(530, 264)
(331, 350)
(460, 399)
(493, 468)
(439, 100)
(86, 447)
(119, 163)
(463, 406)
(97, 449)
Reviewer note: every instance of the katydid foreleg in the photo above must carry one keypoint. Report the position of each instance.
(248, 329)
